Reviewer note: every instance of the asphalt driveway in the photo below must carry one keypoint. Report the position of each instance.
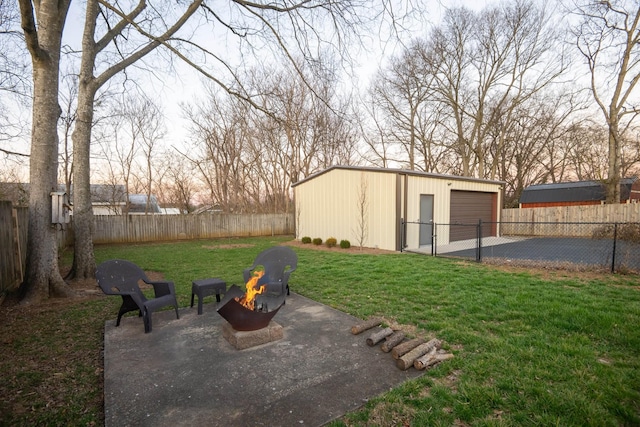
(594, 252)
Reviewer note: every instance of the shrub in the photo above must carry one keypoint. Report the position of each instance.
(331, 242)
(345, 244)
(317, 241)
(306, 240)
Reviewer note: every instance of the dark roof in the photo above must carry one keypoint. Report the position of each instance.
(397, 171)
(579, 191)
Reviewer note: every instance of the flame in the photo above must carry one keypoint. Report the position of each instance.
(248, 300)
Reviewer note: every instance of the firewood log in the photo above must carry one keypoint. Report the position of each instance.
(430, 359)
(361, 327)
(406, 361)
(405, 347)
(376, 337)
(392, 341)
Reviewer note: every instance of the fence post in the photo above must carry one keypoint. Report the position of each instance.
(434, 239)
(615, 238)
(479, 241)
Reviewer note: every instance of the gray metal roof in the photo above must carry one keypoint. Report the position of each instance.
(397, 171)
(579, 191)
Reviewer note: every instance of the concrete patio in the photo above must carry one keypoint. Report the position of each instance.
(185, 373)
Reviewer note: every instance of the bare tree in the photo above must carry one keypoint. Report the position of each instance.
(362, 210)
(487, 65)
(219, 133)
(152, 131)
(176, 182)
(43, 23)
(403, 92)
(15, 84)
(608, 37)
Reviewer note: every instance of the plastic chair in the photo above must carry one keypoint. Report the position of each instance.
(278, 263)
(120, 277)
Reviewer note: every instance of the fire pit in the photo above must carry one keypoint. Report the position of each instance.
(243, 318)
(248, 315)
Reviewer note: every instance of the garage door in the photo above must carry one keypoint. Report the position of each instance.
(467, 208)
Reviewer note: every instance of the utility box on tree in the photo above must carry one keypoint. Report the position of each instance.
(60, 208)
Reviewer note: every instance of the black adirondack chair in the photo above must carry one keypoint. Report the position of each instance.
(120, 277)
(278, 263)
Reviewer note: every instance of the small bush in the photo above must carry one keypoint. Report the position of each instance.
(345, 244)
(317, 241)
(306, 240)
(331, 242)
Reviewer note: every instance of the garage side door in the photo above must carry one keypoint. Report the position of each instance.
(468, 207)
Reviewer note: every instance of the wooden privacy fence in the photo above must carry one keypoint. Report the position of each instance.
(13, 245)
(152, 228)
(563, 220)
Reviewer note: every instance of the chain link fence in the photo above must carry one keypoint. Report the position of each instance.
(613, 247)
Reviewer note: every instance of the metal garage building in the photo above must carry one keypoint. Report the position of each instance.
(371, 204)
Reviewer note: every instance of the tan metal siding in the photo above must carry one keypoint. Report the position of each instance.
(441, 189)
(327, 206)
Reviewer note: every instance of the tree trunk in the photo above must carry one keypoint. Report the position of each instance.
(42, 278)
(84, 262)
(613, 178)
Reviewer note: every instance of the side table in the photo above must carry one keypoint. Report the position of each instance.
(206, 287)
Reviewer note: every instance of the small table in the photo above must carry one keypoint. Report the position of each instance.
(206, 287)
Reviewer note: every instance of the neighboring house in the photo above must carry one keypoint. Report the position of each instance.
(354, 202)
(105, 199)
(577, 193)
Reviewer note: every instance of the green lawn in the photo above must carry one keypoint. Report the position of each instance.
(531, 348)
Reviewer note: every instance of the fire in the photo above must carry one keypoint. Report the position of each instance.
(249, 297)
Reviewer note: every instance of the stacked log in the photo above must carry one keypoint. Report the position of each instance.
(364, 326)
(416, 352)
(376, 337)
(429, 360)
(391, 341)
(405, 361)
(406, 347)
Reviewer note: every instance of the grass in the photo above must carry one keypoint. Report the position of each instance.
(532, 348)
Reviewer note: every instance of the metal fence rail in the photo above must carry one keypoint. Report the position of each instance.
(613, 247)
